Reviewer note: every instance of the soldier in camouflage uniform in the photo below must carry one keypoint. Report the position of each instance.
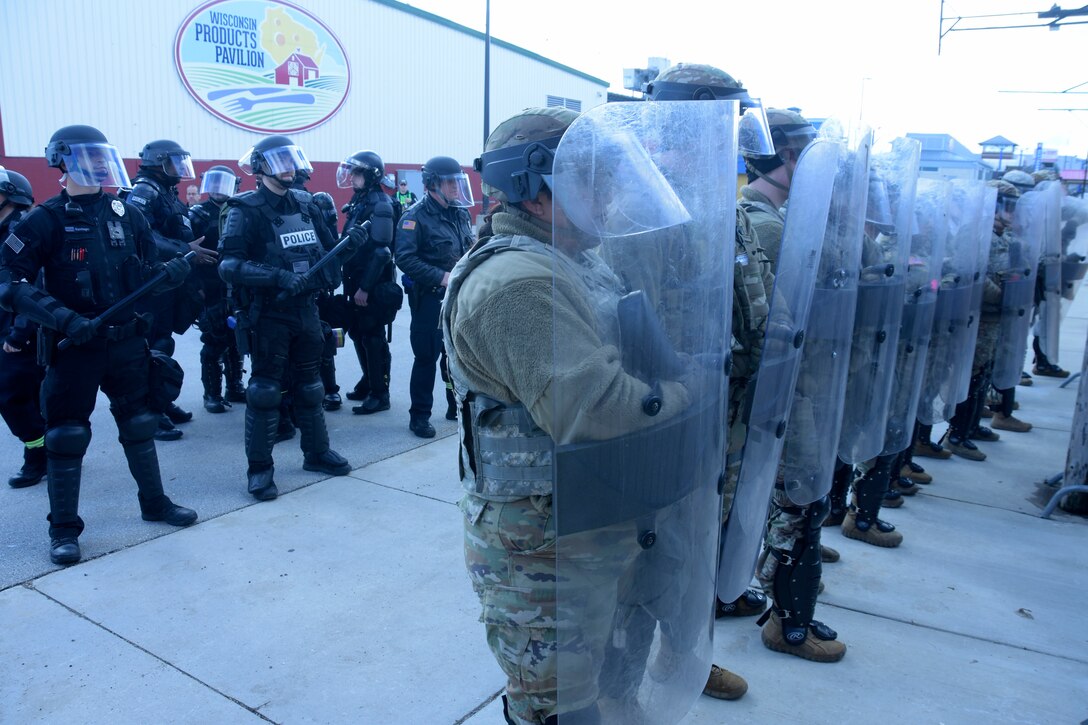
(964, 425)
(505, 297)
(765, 198)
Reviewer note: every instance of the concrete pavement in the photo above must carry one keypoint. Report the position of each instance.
(346, 600)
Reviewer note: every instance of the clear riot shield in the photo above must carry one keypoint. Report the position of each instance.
(1074, 248)
(772, 397)
(984, 235)
(1017, 273)
(812, 435)
(928, 233)
(1050, 269)
(951, 314)
(639, 396)
(893, 176)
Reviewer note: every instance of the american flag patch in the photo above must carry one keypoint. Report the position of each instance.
(15, 243)
(408, 224)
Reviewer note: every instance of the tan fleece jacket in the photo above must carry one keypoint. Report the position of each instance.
(519, 336)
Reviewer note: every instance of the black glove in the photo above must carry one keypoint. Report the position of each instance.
(177, 270)
(358, 237)
(291, 282)
(78, 329)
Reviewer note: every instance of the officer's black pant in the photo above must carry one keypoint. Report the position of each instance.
(426, 339)
(286, 346)
(20, 394)
(375, 360)
(218, 342)
(69, 392)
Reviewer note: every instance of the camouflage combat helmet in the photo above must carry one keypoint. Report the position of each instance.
(1020, 179)
(518, 155)
(1044, 175)
(1004, 189)
(695, 82)
(789, 129)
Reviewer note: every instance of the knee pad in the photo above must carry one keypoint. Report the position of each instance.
(68, 441)
(308, 395)
(263, 394)
(138, 428)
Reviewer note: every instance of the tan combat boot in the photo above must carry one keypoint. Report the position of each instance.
(813, 648)
(873, 535)
(1010, 423)
(724, 685)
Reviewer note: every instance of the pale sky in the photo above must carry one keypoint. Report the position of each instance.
(828, 58)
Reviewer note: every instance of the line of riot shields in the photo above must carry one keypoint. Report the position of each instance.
(871, 328)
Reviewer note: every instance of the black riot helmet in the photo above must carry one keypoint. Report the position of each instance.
(444, 176)
(168, 158)
(219, 181)
(366, 163)
(86, 157)
(302, 177)
(274, 155)
(16, 188)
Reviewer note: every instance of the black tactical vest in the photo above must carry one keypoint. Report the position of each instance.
(97, 262)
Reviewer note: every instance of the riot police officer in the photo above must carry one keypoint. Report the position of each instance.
(431, 237)
(373, 295)
(163, 164)
(94, 249)
(20, 374)
(270, 240)
(219, 352)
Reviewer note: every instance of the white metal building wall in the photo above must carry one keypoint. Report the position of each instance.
(111, 65)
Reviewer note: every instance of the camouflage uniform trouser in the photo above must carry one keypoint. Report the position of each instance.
(783, 531)
(986, 345)
(510, 552)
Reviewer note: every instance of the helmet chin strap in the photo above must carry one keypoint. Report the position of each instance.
(773, 182)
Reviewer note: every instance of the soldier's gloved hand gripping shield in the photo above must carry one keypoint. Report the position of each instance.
(812, 435)
(1050, 311)
(1018, 291)
(946, 355)
(879, 310)
(640, 436)
(927, 236)
(795, 276)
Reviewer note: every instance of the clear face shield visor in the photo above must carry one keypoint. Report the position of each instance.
(220, 183)
(753, 131)
(179, 166)
(1005, 210)
(95, 164)
(456, 190)
(878, 209)
(612, 188)
(344, 173)
(277, 161)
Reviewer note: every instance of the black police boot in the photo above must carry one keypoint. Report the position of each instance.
(329, 462)
(215, 404)
(33, 470)
(372, 404)
(421, 427)
(178, 416)
(261, 486)
(166, 430)
(331, 402)
(155, 505)
(232, 363)
(65, 526)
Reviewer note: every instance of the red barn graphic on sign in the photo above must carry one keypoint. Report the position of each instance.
(298, 68)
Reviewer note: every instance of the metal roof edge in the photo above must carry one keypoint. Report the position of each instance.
(405, 8)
